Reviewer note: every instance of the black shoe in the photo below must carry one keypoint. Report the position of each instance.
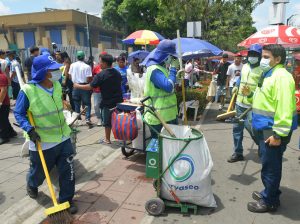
(260, 207)
(13, 134)
(4, 140)
(235, 158)
(256, 196)
(32, 192)
(73, 208)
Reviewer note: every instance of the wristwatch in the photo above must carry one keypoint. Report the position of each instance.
(277, 137)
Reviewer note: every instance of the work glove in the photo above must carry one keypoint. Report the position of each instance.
(180, 74)
(235, 90)
(175, 63)
(34, 136)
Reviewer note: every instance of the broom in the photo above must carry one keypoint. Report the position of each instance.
(228, 113)
(57, 214)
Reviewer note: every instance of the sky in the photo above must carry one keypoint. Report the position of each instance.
(260, 15)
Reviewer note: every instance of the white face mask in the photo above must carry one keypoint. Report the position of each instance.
(265, 64)
(252, 60)
(56, 75)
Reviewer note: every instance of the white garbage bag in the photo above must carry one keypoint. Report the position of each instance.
(189, 176)
(138, 141)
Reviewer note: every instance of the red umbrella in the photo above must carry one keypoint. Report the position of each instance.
(244, 53)
(288, 36)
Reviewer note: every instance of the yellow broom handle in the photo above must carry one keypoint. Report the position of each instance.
(231, 103)
(39, 149)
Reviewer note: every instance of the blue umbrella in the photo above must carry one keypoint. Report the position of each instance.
(195, 48)
(140, 54)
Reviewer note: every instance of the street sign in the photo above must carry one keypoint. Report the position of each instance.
(194, 29)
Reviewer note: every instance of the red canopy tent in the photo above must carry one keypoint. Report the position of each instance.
(287, 36)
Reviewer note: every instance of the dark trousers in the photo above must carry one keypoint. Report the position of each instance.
(84, 97)
(60, 156)
(15, 89)
(69, 87)
(158, 128)
(6, 130)
(271, 159)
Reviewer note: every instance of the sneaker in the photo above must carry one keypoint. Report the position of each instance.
(32, 192)
(221, 107)
(88, 122)
(235, 158)
(73, 208)
(99, 123)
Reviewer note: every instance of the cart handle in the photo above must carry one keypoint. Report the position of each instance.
(145, 99)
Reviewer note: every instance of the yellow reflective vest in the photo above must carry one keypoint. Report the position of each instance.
(274, 104)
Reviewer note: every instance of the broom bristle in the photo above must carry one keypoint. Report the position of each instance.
(62, 217)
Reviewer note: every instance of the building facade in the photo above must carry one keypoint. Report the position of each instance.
(66, 27)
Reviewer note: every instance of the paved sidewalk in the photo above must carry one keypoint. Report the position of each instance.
(116, 195)
(13, 168)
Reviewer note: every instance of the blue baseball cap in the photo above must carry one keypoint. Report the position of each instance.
(41, 64)
(45, 51)
(161, 53)
(256, 48)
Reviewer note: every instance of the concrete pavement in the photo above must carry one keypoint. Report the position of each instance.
(114, 190)
(233, 183)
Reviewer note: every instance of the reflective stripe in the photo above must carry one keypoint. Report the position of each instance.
(49, 113)
(282, 131)
(164, 108)
(281, 126)
(249, 84)
(164, 96)
(50, 127)
(263, 112)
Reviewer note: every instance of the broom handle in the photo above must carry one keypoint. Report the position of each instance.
(231, 103)
(39, 149)
(182, 80)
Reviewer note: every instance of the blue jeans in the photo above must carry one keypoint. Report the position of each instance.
(82, 96)
(97, 101)
(60, 156)
(238, 130)
(271, 159)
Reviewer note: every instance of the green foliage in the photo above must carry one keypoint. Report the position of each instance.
(194, 94)
(224, 23)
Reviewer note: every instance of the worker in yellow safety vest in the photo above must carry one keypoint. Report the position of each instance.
(160, 84)
(42, 96)
(250, 75)
(274, 118)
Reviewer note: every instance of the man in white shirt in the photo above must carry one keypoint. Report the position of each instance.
(234, 72)
(15, 82)
(81, 73)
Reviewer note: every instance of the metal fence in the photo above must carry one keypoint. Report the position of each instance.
(71, 50)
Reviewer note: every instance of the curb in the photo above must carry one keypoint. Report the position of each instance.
(28, 211)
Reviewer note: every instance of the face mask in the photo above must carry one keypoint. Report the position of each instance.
(56, 75)
(265, 64)
(252, 60)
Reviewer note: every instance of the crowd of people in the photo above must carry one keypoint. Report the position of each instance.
(261, 83)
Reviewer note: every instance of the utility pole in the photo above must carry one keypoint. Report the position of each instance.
(89, 38)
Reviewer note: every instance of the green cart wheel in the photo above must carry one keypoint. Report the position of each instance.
(127, 152)
(155, 206)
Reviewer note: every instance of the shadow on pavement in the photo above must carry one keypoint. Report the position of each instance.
(289, 208)
(244, 179)
(2, 198)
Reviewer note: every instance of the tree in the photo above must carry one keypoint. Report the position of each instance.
(224, 22)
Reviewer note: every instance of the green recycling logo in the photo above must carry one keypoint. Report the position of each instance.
(185, 172)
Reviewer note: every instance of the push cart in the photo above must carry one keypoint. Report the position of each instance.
(126, 147)
(155, 170)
